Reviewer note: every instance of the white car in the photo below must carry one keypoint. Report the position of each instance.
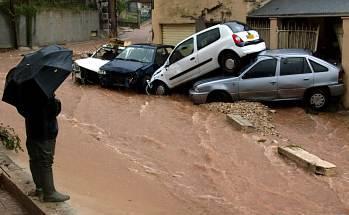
(220, 46)
(86, 70)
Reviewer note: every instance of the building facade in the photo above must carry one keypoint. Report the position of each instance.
(176, 19)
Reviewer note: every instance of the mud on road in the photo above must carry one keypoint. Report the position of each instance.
(120, 152)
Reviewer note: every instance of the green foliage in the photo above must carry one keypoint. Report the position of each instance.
(121, 6)
(9, 138)
(30, 8)
(26, 10)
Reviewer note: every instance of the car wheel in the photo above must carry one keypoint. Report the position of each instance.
(160, 89)
(219, 96)
(144, 83)
(318, 99)
(229, 62)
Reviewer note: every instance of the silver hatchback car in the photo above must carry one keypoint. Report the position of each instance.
(281, 74)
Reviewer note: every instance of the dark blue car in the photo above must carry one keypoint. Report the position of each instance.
(134, 66)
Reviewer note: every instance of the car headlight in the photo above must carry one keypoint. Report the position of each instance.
(102, 72)
(196, 89)
(76, 67)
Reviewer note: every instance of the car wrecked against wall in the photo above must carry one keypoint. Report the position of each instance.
(134, 66)
(276, 75)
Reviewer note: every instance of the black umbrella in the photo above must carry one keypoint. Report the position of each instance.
(47, 68)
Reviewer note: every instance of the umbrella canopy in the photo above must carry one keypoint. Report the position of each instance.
(47, 67)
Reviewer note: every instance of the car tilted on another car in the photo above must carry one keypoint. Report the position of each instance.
(220, 46)
(134, 66)
(85, 70)
(284, 74)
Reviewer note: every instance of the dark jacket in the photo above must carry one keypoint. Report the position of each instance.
(40, 115)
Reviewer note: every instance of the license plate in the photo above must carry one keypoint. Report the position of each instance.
(250, 36)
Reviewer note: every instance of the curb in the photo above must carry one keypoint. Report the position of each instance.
(308, 161)
(18, 183)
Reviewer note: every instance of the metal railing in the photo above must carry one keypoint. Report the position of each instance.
(298, 35)
(262, 26)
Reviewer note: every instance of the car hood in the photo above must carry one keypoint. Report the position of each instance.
(123, 66)
(91, 63)
(219, 79)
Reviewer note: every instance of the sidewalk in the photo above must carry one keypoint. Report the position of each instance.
(15, 183)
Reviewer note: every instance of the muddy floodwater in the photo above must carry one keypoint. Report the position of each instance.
(120, 152)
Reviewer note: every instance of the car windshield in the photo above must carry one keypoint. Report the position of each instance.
(237, 26)
(139, 54)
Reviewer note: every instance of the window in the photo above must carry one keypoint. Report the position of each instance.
(134, 53)
(183, 50)
(161, 56)
(317, 67)
(294, 65)
(208, 37)
(262, 69)
(237, 26)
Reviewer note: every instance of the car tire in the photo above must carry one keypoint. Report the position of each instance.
(160, 89)
(229, 62)
(317, 99)
(144, 83)
(218, 96)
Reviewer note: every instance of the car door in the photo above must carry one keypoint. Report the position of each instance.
(260, 81)
(182, 63)
(295, 77)
(207, 50)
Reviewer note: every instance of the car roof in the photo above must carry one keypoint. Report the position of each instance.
(153, 45)
(285, 52)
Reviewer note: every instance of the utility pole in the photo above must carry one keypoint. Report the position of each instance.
(112, 13)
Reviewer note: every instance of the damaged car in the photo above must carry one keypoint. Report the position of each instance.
(134, 66)
(276, 75)
(85, 70)
(223, 46)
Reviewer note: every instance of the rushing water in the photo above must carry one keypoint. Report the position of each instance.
(119, 152)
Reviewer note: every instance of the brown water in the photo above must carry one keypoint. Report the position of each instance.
(119, 152)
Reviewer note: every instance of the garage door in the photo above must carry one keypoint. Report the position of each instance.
(174, 33)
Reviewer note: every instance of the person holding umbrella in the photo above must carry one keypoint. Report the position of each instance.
(30, 87)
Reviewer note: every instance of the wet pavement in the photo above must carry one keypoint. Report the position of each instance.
(119, 152)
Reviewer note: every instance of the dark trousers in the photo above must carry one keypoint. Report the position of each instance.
(41, 154)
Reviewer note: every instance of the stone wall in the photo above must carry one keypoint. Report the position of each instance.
(184, 11)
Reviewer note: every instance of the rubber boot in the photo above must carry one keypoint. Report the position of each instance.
(49, 192)
(36, 178)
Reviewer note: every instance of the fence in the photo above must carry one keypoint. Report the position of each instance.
(262, 26)
(298, 35)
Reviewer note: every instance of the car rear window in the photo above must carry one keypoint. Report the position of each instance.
(237, 26)
(294, 65)
(317, 67)
(208, 37)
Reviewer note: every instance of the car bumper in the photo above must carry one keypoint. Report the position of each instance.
(337, 89)
(252, 48)
(116, 80)
(198, 98)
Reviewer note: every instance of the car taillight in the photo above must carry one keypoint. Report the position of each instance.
(237, 39)
(341, 76)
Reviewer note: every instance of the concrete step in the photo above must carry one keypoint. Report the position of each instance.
(307, 160)
(240, 123)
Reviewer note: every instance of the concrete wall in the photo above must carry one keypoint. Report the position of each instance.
(181, 11)
(50, 27)
(5, 34)
(64, 26)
